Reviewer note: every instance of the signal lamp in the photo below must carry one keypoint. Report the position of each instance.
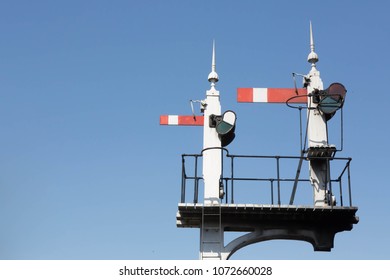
(330, 100)
(225, 126)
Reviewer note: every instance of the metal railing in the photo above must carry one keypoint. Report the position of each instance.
(275, 180)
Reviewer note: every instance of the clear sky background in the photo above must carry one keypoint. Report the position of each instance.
(87, 172)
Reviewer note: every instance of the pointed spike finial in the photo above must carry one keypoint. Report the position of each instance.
(213, 76)
(311, 38)
(313, 57)
(213, 58)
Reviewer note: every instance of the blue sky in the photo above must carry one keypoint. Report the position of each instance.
(87, 172)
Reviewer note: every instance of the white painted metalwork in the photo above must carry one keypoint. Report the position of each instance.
(317, 130)
(211, 233)
(320, 222)
(211, 142)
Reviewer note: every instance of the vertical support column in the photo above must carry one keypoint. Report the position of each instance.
(211, 157)
(317, 131)
(211, 239)
(317, 137)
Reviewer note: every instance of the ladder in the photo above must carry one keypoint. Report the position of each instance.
(211, 241)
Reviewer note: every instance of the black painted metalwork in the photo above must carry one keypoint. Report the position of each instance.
(231, 182)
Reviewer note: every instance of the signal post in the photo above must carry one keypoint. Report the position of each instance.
(211, 143)
(215, 130)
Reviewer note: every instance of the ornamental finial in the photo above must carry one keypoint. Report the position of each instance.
(313, 57)
(213, 76)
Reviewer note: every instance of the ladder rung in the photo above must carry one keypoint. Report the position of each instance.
(211, 256)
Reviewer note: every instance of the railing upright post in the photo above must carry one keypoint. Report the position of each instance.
(232, 178)
(196, 181)
(183, 180)
(349, 184)
(278, 178)
(329, 181)
(341, 193)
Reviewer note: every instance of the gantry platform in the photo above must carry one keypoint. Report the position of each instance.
(317, 225)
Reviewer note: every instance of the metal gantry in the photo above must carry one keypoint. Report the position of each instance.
(276, 215)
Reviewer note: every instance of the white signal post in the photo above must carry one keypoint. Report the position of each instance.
(317, 126)
(317, 131)
(212, 161)
(211, 232)
(211, 143)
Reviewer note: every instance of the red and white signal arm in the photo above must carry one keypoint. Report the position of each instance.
(181, 120)
(272, 95)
